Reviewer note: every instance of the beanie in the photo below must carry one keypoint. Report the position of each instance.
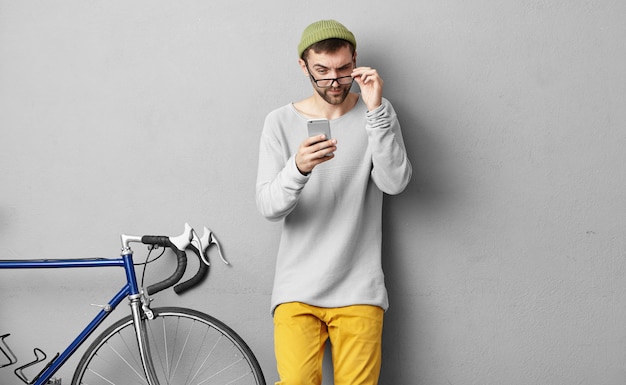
(322, 30)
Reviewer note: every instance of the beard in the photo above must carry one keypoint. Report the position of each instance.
(331, 96)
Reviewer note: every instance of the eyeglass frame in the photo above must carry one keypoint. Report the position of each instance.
(332, 80)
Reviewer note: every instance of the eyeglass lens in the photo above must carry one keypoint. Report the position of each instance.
(328, 82)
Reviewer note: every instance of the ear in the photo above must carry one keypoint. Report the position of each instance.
(354, 59)
(303, 67)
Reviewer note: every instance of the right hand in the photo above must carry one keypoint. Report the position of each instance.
(313, 151)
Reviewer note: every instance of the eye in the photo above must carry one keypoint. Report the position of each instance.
(345, 70)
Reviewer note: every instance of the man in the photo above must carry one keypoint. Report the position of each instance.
(329, 282)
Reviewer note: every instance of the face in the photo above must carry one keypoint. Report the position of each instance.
(326, 65)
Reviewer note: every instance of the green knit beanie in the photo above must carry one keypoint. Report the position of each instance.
(322, 30)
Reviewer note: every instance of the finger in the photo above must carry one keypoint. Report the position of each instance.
(309, 157)
(323, 149)
(312, 140)
(321, 146)
(363, 71)
(317, 138)
(367, 77)
(313, 148)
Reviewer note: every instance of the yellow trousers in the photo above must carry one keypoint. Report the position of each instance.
(300, 335)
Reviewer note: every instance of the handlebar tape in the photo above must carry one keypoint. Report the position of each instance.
(181, 258)
(200, 275)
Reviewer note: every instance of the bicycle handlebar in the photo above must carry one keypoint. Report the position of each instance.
(181, 258)
(200, 275)
(179, 245)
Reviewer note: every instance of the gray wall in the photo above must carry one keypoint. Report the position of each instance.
(504, 257)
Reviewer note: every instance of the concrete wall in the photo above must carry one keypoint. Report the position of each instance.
(504, 257)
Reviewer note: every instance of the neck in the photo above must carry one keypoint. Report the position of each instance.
(316, 107)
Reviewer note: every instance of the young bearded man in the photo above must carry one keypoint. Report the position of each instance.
(329, 283)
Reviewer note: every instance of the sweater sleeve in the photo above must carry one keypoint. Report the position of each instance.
(391, 167)
(279, 182)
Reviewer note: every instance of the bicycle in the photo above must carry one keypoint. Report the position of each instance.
(154, 346)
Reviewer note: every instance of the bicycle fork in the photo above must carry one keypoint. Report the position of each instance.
(139, 306)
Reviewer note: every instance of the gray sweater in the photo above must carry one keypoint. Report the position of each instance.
(330, 248)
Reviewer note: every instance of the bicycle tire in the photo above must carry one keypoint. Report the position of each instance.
(187, 347)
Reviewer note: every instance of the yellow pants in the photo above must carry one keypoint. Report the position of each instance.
(300, 335)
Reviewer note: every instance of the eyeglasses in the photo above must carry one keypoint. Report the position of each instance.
(327, 83)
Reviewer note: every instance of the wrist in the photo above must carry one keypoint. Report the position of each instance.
(303, 173)
(373, 107)
(374, 110)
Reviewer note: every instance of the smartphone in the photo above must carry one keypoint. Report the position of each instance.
(318, 127)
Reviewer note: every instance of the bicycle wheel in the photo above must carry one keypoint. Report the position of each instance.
(187, 347)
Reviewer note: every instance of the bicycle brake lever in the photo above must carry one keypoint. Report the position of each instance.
(205, 242)
(209, 239)
(195, 241)
(182, 241)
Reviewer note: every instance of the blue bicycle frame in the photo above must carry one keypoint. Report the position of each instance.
(129, 290)
(139, 304)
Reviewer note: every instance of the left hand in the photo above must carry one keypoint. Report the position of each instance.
(371, 86)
